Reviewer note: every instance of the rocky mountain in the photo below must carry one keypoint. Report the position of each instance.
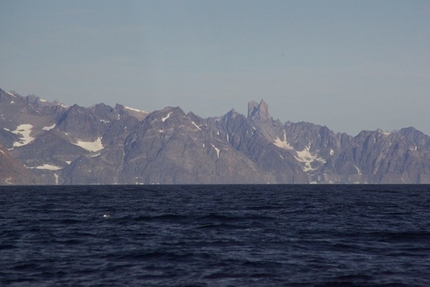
(47, 142)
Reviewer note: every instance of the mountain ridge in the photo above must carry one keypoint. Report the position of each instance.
(121, 145)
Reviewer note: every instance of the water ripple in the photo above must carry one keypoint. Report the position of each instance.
(215, 235)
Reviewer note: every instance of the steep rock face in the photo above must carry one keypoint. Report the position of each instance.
(13, 172)
(381, 157)
(255, 138)
(315, 147)
(83, 122)
(170, 147)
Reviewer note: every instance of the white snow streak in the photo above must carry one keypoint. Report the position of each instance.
(136, 110)
(166, 117)
(47, 167)
(7, 180)
(56, 178)
(95, 155)
(216, 149)
(24, 131)
(358, 170)
(9, 93)
(331, 152)
(196, 125)
(91, 146)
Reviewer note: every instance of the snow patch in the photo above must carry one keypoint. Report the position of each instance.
(24, 131)
(56, 178)
(331, 152)
(91, 146)
(48, 128)
(216, 149)
(282, 143)
(307, 158)
(166, 117)
(104, 121)
(12, 102)
(42, 100)
(68, 161)
(47, 167)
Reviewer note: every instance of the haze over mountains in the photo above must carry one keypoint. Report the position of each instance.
(44, 142)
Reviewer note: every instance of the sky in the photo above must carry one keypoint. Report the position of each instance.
(349, 65)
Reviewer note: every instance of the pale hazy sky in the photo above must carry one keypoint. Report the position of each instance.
(350, 65)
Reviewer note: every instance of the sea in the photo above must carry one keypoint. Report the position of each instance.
(215, 235)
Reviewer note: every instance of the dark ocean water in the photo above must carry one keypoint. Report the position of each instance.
(232, 235)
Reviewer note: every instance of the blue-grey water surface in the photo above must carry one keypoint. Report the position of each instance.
(215, 235)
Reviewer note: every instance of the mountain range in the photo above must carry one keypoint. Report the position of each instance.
(43, 142)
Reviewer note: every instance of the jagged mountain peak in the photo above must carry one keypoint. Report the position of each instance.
(258, 112)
